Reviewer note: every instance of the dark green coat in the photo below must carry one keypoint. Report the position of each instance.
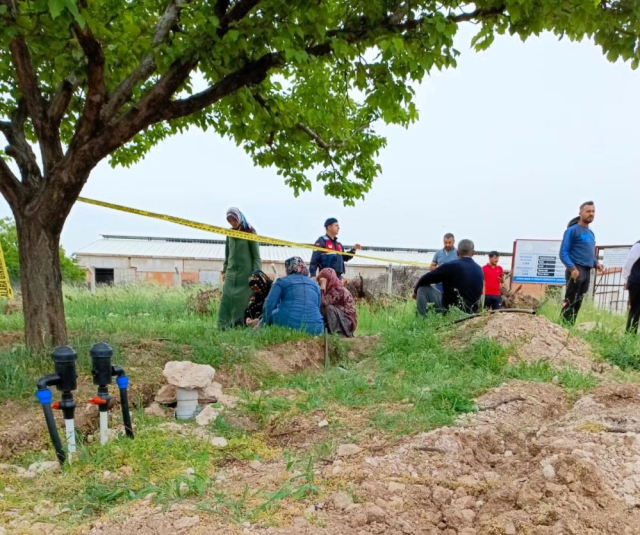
(241, 258)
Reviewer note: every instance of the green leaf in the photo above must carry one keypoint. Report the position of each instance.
(72, 7)
(56, 7)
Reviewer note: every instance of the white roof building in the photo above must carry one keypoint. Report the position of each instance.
(118, 259)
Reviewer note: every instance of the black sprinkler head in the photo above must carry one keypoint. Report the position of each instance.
(101, 371)
(64, 359)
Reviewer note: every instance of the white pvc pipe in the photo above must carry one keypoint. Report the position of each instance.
(71, 436)
(187, 403)
(104, 427)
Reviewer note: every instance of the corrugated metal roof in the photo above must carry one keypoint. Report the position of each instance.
(151, 247)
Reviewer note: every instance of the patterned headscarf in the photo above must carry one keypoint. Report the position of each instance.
(260, 285)
(239, 216)
(259, 282)
(331, 277)
(337, 295)
(296, 265)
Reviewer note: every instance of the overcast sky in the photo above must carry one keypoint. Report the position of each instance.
(507, 146)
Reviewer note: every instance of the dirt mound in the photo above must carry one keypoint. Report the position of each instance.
(530, 339)
(293, 357)
(521, 467)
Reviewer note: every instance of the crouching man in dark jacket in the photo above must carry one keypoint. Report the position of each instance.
(333, 260)
(462, 282)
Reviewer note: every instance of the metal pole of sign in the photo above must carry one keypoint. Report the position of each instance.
(513, 265)
(390, 280)
(593, 284)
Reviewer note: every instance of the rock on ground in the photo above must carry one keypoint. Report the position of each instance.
(156, 410)
(185, 374)
(207, 415)
(344, 450)
(219, 442)
(166, 395)
(186, 522)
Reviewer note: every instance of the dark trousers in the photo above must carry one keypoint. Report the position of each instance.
(634, 307)
(574, 294)
(428, 297)
(493, 302)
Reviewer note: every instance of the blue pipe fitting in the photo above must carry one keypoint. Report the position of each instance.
(44, 396)
(122, 382)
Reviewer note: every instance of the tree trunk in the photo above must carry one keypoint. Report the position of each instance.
(41, 281)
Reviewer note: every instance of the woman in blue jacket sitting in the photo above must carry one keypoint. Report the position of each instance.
(294, 300)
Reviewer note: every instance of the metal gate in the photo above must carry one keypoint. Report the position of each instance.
(608, 291)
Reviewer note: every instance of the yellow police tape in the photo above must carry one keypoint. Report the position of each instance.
(239, 234)
(5, 283)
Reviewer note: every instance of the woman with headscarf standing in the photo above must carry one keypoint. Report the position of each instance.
(294, 300)
(241, 259)
(338, 307)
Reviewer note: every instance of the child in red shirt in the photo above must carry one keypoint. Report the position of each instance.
(493, 278)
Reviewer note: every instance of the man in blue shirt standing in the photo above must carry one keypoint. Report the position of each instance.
(578, 254)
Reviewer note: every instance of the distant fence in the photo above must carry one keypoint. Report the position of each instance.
(608, 291)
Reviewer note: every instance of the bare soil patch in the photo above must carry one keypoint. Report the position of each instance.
(302, 355)
(294, 357)
(530, 339)
(10, 339)
(533, 465)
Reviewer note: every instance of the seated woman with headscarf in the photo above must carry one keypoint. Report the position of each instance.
(338, 307)
(294, 300)
(260, 285)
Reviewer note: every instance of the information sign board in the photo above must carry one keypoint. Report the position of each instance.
(537, 262)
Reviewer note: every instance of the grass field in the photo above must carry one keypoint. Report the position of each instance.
(412, 382)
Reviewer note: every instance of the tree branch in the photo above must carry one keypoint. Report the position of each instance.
(48, 138)
(317, 139)
(221, 8)
(96, 94)
(157, 106)
(28, 83)
(301, 126)
(237, 13)
(256, 71)
(60, 101)
(252, 73)
(9, 185)
(19, 149)
(148, 64)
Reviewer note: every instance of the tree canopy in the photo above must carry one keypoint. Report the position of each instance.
(299, 83)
